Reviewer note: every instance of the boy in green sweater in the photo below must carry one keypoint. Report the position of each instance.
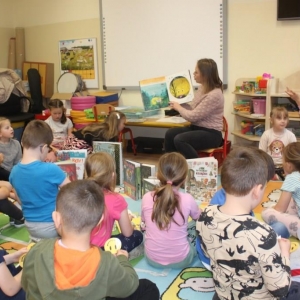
(72, 268)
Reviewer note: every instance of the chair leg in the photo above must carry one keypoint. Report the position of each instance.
(132, 143)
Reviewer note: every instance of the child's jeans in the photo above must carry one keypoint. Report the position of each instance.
(289, 218)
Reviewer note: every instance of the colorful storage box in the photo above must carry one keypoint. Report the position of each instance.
(242, 106)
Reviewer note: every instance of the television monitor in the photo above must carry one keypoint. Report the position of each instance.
(288, 10)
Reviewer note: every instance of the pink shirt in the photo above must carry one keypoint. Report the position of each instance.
(168, 246)
(205, 110)
(114, 205)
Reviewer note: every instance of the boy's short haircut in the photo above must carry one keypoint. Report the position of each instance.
(36, 133)
(81, 205)
(242, 169)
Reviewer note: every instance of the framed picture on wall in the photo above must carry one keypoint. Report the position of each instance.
(79, 56)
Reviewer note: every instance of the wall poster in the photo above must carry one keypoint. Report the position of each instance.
(79, 56)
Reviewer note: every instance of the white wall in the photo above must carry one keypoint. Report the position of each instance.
(257, 42)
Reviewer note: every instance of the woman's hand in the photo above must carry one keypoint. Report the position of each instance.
(1, 158)
(174, 105)
(293, 95)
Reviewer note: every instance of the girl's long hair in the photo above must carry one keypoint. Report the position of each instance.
(56, 103)
(106, 130)
(172, 172)
(100, 167)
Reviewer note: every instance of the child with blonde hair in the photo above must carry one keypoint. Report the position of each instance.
(107, 131)
(276, 138)
(165, 213)
(100, 167)
(10, 149)
(287, 209)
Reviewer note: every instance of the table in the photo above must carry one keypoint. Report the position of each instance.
(151, 122)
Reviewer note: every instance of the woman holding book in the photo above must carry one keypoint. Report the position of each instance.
(205, 112)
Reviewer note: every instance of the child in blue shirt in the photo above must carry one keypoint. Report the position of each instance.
(36, 182)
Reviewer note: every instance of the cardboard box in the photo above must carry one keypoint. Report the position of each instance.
(66, 97)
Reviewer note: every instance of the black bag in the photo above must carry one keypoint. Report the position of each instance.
(34, 80)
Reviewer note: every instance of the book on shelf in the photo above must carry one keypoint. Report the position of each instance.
(157, 92)
(132, 179)
(115, 150)
(76, 156)
(149, 184)
(69, 168)
(202, 178)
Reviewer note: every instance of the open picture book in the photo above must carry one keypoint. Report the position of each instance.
(158, 92)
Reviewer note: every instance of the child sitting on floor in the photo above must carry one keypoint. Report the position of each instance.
(100, 167)
(10, 276)
(100, 131)
(247, 260)
(7, 207)
(276, 138)
(10, 149)
(165, 213)
(59, 123)
(70, 268)
(36, 182)
(220, 197)
(287, 209)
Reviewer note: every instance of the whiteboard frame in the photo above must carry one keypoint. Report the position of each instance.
(224, 75)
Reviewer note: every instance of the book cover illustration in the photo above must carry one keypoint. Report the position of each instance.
(132, 179)
(154, 93)
(180, 87)
(69, 168)
(149, 184)
(201, 181)
(115, 150)
(76, 156)
(157, 92)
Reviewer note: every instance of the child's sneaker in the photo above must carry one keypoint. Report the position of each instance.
(11, 221)
(19, 223)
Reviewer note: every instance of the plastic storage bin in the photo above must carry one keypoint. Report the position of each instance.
(82, 102)
(259, 106)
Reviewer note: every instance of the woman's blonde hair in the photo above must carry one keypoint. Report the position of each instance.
(172, 172)
(101, 168)
(106, 130)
